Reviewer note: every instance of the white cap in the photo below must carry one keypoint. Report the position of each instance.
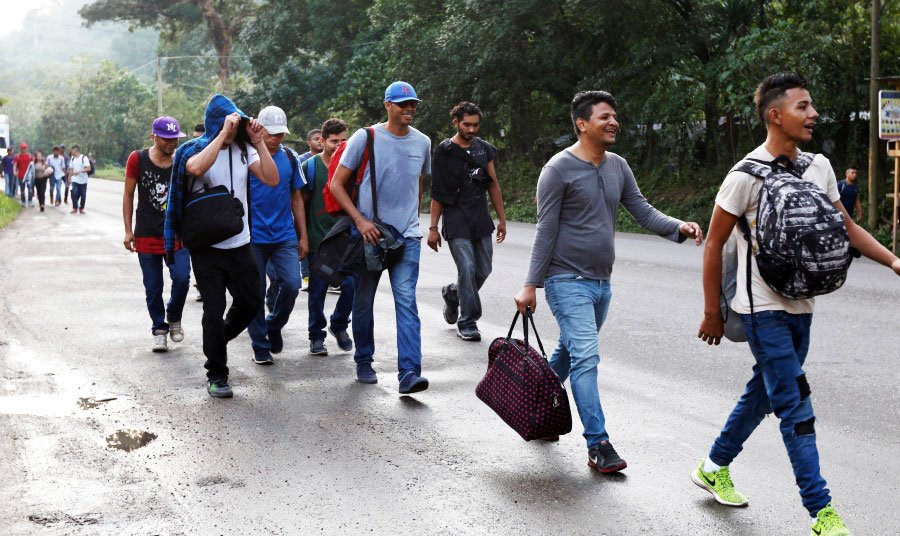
(274, 120)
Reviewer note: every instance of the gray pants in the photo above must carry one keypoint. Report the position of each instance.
(473, 266)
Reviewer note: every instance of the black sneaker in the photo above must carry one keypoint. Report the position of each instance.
(276, 343)
(604, 458)
(343, 340)
(219, 389)
(262, 357)
(469, 333)
(451, 304)
(317, 347)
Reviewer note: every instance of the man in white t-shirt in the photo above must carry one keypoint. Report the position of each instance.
(777, 327)
(58, 162)
(79, 166)
(230, 264)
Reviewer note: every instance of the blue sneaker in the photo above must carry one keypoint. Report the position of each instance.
(219, 389)
(412, 383)
(343, 340)
(262, 357)
(365, 373)
(317, 347)
(276, 343)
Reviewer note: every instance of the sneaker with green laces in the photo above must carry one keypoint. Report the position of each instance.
(719, 484)
(829, 523)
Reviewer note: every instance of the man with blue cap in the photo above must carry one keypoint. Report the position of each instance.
(402, 157)
(231, 148)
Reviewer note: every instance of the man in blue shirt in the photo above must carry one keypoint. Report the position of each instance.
(11, 182)
(278, 236)
(850, 194)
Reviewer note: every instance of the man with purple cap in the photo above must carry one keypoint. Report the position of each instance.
(149, 170)
(402, 156)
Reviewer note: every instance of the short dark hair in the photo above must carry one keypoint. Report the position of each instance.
(199, 127)
(583, 103)
(333, 126)
(464, 108)
(56, 147)
(772, 88)
(313, 132)
(74, 147)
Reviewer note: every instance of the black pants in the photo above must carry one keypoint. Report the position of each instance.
(217, 270)
(41, 186)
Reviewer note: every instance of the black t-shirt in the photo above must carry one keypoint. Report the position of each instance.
(467, 215)
(153, 190)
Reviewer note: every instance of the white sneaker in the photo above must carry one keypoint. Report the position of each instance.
(304, 284)
(175, 331)
(159, 341)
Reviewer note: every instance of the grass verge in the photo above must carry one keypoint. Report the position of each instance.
(9, 209)
(110, 173)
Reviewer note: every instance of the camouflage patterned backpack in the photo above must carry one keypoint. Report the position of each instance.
(803, 246)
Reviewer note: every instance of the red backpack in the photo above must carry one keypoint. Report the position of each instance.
(331, 204)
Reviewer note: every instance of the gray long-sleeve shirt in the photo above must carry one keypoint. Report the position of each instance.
(577, 205)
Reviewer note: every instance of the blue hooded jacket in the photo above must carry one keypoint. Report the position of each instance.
(217, 110)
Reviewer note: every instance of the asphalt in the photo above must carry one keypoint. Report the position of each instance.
(304, 449)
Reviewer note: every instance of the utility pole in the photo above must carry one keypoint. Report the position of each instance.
(159, 109)
(874, 142)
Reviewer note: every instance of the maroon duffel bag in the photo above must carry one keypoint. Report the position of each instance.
(521, 387)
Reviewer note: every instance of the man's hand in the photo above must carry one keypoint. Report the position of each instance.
(712, 328)
(692, 230)
(232, 121)
(501, 231)
(129, 241)
(526, 298)
(369, 232)
(434, 239)
(303, 248)
(254, 131)
(895, 266)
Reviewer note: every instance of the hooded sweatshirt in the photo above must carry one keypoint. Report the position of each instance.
(217, 110)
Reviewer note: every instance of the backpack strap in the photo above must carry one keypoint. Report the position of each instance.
(370, 148)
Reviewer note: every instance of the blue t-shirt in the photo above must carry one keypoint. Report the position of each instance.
(272, 221)
(8, 164)
(399, 160)
(849, 194)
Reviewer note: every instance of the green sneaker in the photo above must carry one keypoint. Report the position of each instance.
(219, 389)
(719, 484)
(829, 523)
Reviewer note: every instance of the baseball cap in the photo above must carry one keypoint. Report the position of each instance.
(23, 145)
(400, 92)
(167, 127)
(274, 120)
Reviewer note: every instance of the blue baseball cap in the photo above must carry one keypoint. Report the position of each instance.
(400, 92)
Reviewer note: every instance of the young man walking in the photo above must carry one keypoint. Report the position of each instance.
(9, 172)
(849, 191)
(578, 194)
(278, 236)
(402, 157)
(148, 171)
(778, 328)
(314, 142)
(231, 148)
(21, 165)
(334, 131)
(79, 166)
(58, 162)
(463, 177)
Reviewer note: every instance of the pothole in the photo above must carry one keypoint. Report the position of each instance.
(129, 440)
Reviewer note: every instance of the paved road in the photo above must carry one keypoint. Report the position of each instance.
(303, 449)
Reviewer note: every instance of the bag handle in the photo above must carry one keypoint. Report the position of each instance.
(231, 172)
(526, 318)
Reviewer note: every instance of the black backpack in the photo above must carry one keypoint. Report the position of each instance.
(803, 245)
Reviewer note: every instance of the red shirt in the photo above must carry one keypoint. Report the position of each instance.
(22, 161)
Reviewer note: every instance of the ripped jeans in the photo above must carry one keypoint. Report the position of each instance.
(779, 342)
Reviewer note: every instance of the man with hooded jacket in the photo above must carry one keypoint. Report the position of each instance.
(230, 149)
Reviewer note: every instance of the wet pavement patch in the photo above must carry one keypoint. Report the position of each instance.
(91, 403)
(68, 519)
(129, 440)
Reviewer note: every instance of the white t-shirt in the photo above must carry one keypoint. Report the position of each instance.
(76, 163)
(738, 196)
(58, 163)
(218, 174)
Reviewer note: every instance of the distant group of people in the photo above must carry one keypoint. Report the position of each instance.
(28, 175)
(283, 205)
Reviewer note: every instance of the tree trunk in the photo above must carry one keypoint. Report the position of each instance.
(220, 33)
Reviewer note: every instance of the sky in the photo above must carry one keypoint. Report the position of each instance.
(14, 13)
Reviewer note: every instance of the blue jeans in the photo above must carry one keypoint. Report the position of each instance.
(284, 259)
(180, 274)
(779, 342)
(473, 266)
(12, 184)
(79, 193)
(340, 318)
(55, 186)
(404, 276)
(26, 185)
(580, 306)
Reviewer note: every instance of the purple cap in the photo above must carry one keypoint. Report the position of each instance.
(167, 127)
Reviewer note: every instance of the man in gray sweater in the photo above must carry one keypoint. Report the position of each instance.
(578, 194)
